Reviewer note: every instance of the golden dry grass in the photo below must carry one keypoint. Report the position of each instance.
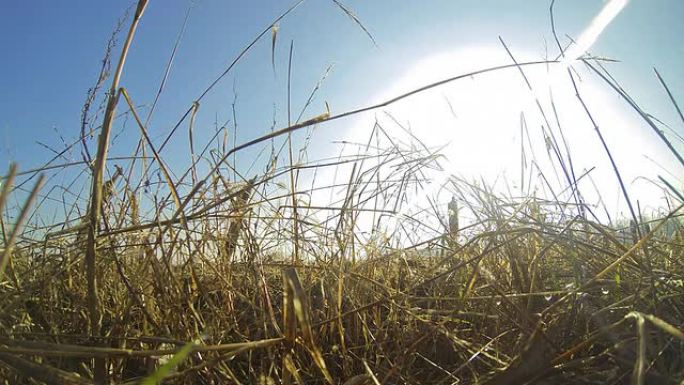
(254, 284)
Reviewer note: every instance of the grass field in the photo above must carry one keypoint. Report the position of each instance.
(242, 279)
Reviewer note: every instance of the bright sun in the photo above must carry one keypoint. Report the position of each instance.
(479, 120)
(492, 127)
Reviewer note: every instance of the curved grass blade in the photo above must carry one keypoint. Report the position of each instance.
(166, 369)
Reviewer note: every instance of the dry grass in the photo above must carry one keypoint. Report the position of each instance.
(251, 283)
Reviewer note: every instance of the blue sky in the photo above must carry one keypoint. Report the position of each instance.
(52, 52)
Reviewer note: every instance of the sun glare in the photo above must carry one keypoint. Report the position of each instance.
(489, 128)
(594, 30)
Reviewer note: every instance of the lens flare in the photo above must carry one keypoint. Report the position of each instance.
(592, 33)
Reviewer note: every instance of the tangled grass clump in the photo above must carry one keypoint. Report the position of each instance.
(526, 294)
